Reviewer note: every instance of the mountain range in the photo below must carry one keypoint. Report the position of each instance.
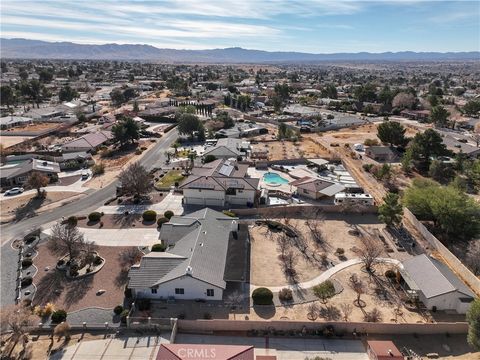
(36, 49)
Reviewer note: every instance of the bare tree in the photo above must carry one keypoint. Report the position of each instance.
(283, 244)
(129, 257)
(135, 180)
(373, 316)
(358, 286)
(37, 180)
(289, 261)
(312, 311)
(18, 319)
(473, 256)
(346, 310)
(89, 250)
(66, 239)
(369, 251)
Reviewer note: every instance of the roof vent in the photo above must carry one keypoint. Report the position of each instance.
(201, 244)
(189, 270)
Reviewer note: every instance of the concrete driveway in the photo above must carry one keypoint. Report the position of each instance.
(170, 202)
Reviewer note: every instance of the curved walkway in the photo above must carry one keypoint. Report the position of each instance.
(325, 275)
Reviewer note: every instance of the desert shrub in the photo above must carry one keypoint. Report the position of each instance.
(26, 263)
(324, 290)
(138, 152)
(340, 251)
(161, 221)
(158, 247)
(94, 216)
(123, 316)
(149, 215)
(371, 142)
(72, 221)
(168, 214)
(106, 153)
(373, 316)
(285, 294)
(228, 213)
(262, 296)
(58, 316)
(48, 309)
(98, 169)
(390, 274)
(27, 281)
(118, 309)
(367, 167)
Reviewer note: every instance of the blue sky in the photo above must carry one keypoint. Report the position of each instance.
(317, 26)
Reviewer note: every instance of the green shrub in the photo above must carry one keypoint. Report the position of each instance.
(325, 290)
(27, 281)
(138, 152)
(371, 142)
(72, 221)
(285, 295)
(123, 316)
(59, 316)
(118, 309)
(161, 221)
(26, 263)
(228, 213)
(158, 247)
(98, 169)
(262, 296)
(168, 214)
(94, 216)
(209, 158)
(149, 215)
(340, 251)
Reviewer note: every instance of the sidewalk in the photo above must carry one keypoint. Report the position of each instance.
(324, 276)
(119, 237)
(170, 202)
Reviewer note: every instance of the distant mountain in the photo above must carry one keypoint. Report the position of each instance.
(35, 49)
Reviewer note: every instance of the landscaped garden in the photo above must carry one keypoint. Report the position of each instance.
(171, 178)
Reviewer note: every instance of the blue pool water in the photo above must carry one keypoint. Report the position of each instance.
(273, 178)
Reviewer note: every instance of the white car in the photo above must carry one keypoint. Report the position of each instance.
(14, 191)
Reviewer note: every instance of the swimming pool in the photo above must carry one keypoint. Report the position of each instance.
(274, 179)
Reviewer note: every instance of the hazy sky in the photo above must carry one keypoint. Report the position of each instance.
(318, 26)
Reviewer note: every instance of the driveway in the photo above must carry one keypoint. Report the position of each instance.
(170, 202)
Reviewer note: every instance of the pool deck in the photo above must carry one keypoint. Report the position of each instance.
(255, 173)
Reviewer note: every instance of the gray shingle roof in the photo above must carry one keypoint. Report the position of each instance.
(200, 243)
(432, 277)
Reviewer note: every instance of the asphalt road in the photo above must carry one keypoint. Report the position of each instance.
(153, 158)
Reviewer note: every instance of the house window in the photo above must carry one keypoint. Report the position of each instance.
(154, 291)
(179, 291)
(210, 292)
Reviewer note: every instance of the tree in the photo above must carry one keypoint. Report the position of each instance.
(369, 251)
(135, 180)
(126, 131)
(282, 130)
(45, 75)
(391, 132)
(117, 97)
(473, 319)
(225, 118)
(62, 330)
(188, 124)
(427, 145)
(472, 107)
(346, 310)
(403, 100)
(391, 211)
(18, 319)
(439, 116)
(7, 95)
(440, 171)
(329, 91)
(66, 93)
(367, 92)
(359, 288)
(129, 257)
(324, 291)
(37, 180)
(65, 238)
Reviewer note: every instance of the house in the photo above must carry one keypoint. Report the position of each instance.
(8, 122)
(421, 115)
(205, 351)
(383, 350)
(194, 265)
(74, 160)
(89, 142)
(435, 285)
(17, 174)
(45, 113)
(227, 148)
(380, 153)
(316, 188)
(220, 183)
(242, 130)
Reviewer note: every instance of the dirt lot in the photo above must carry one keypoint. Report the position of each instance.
(8, 141)
(29, 204)
(53, 286)
(335, 232)
(280, 150)
(33, 127)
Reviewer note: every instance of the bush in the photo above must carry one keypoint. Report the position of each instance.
(209, 158)
(161, 221)
(158, 247)
(118, 309)
(262, 296)
(59, 316)
(340, 251)
(285, 295)
(371, 142)
(138, 152)
(48, 309)
(27, 281)
(72, 221)
(168, 214)
(97, 261)
(143, 304)
(367, 167)
(149, 215)
(228, 213)
(26, 263)
(98, 169)
(324, 290)
(390, 274)
(94, 216)
(123, 316)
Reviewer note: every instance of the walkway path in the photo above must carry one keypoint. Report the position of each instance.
(119, 237)
(324, 276)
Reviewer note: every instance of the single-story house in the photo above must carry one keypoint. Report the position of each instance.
(220, 183)
(74, 160)
(46, 113)
(316, 188)
(88, 142)
(17, 174)
(383, 350)
(194, 265)
(227, 148)
(435, 285)
(242, 130)
(8, 122)
(205, 351)
(421, 115)
(456, 147)
(380, 153)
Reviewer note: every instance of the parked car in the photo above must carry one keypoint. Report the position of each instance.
(14, 191)
(85, 176)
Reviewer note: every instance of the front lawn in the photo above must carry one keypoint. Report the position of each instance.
(170, 179)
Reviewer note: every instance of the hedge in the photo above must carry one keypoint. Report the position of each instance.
(168, 214)
(94, 216)
(149, 215)
(59, 316)
(262, 296)
(158, 247)
(26, 263)
(161, 221)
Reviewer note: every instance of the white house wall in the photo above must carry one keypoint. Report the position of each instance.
(448, 301)
(193, 289)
